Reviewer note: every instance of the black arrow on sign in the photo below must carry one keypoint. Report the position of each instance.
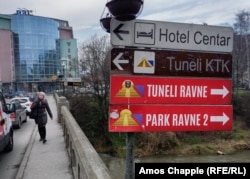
(117, 31)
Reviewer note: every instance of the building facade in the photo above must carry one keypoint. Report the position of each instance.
(35, 51)
(7, 72)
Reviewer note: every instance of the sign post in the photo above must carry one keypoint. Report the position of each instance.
(199, 75)
(162, 89)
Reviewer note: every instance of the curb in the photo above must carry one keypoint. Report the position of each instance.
(26, 156)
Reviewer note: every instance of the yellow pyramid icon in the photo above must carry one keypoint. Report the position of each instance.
(144, 63)
(127, 90)
(125, 119)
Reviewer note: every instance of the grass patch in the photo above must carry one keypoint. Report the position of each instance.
(193, 139)
(119, 144)
(241, 92)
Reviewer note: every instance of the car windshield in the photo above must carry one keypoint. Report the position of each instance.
(21, 100)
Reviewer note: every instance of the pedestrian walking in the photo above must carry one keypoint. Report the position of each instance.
(42, 107)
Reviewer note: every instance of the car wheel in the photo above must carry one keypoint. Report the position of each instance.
(19, 124)
(25, 119)
(10, 144)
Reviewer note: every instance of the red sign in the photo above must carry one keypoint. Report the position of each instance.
(141, 118)
(162, 90)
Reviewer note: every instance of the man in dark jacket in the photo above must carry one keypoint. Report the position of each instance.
(41, 104)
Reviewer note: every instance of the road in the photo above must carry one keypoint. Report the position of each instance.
(9, 162)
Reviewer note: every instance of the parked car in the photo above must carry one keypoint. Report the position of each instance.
(20, 93)
(18, 113)
(6, 127)
(25, 101)
(9, 95)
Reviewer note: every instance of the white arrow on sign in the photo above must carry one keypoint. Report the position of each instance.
(117, 61)
(224, 91)
(222, 119)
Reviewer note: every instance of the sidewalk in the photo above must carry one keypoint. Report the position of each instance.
(49, 160)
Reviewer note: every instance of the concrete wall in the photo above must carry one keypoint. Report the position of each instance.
(84, 160)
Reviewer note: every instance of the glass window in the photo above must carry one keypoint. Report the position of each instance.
(36, 50)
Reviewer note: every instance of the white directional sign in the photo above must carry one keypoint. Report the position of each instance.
(169, 35)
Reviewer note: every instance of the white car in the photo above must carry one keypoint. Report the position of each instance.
(6, 127)
(25, 101)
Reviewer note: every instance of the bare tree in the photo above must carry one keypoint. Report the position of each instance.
(241, 47)
(95, 63)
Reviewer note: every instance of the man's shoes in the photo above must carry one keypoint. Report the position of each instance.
(40, 140)
(44, 140)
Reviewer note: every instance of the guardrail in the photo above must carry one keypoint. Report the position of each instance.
(84, 160)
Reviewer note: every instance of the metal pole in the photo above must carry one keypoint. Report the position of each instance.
(130, 155)
(63, 81)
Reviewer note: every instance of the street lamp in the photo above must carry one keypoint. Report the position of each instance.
(105, 20)
(58, 76)
(63, 67)
(125, 10)
(64, 63)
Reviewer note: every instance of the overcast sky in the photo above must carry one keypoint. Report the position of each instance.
(84, 15)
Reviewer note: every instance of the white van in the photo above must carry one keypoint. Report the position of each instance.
(6, 128)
